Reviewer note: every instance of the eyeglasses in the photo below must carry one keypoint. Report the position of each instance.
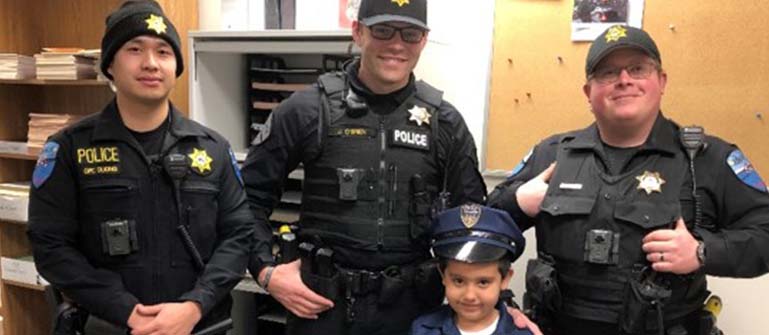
(385, 32)
(610, 75)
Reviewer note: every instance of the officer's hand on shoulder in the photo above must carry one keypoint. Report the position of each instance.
(522, 321)
(530, 194)
(672, 250)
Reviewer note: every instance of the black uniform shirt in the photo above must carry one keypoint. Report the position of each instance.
(100, 174)
(735, 225)
(293, 138)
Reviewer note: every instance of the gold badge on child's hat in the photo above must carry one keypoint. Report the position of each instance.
(470, 213)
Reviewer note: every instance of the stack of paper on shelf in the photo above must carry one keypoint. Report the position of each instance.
(41, 126)
(64, 63)
(22, 270)
(14, 199)
(15, 66)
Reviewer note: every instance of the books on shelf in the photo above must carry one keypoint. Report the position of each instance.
(41, 126)
(65, 63)
(95, 55)
(15, 66)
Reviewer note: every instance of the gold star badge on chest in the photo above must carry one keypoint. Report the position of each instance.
(201, 162)
(419, 115)
(156, 23)
(650, 182)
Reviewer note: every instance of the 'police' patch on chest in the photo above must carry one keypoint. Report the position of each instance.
(414, 139)
(98, 160)
(352, 131)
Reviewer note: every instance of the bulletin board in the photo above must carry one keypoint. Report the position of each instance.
(716, 55)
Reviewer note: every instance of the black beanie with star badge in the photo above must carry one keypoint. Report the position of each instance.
(136, 18)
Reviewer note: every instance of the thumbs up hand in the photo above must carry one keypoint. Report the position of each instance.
(672, 250)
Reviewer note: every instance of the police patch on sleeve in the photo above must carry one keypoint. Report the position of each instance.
(235, 166)
(45, 163)
(410, 138)
(522, 164)
(745, 171)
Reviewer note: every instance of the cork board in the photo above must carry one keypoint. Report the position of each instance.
(716, 55)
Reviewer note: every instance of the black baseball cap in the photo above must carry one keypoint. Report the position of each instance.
(473, 233)
(617, 37)
(414, 12)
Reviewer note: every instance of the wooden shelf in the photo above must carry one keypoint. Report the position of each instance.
(265, 105)
(24, 285)
(279, 87)
(19, 223)
(44, 82)
(19, 150)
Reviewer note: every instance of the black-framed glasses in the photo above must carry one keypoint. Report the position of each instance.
(610, 75)
(385, 32)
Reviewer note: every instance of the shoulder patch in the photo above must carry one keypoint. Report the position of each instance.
(262, 131)
(46, 161)
(522, 164)
(235, 166)
(745, 171)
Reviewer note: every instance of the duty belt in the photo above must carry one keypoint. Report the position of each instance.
(363, 282)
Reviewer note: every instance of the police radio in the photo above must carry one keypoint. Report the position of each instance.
(177, 166)
(693, 140)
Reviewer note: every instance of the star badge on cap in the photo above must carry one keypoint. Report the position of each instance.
(156, 23)
(650, 182)
(615, 33)
(201, 161)
(470, 213)
(400, 2)
(419, 115)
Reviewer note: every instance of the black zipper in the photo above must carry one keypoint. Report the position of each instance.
(382, 182)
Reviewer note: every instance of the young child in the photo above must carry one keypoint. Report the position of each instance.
(475, 246)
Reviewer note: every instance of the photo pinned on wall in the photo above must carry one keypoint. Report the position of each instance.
(591, 17)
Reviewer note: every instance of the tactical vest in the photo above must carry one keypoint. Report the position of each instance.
(371, 185)
(594, 224)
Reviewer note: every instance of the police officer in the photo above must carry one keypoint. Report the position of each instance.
(633, 211)
(476, 246)
(377, 148)
(137, 213)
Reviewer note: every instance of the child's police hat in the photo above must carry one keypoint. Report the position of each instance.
(473, 233)
(616, 37)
